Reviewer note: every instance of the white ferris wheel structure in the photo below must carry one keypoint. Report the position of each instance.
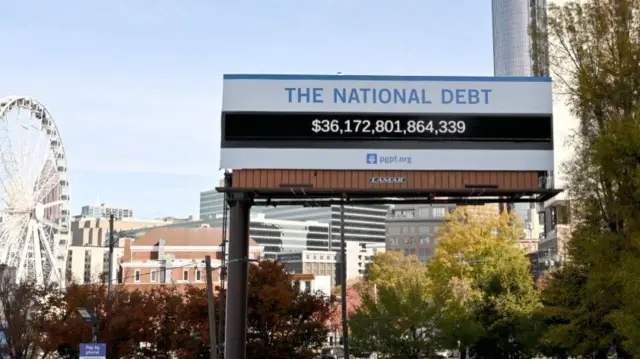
(34, 193)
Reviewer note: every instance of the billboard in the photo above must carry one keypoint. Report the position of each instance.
(328, 122)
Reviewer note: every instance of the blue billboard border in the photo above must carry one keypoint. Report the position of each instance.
(385, 78)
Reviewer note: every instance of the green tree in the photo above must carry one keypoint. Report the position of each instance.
(397, 318)
(483, 285)
(592, 307)
(389, 268)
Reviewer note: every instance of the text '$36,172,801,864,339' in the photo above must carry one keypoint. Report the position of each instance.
(391, 127)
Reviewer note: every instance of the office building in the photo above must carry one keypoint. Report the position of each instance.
(301, 226)
(329, 263)
(363, 224)
(88, 255)
(211, 203)
(412, 228)
(280, 235)
(105, 211)
(174, 256)
(311, 283)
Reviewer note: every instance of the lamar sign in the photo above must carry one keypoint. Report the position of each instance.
(388, 179)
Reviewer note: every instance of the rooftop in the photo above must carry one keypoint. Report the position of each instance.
(184, 237)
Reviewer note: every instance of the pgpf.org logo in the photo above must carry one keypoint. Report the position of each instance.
(372, 158)
(375, 158)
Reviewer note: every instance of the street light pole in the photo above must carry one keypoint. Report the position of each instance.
(91, 318)
(94, 332)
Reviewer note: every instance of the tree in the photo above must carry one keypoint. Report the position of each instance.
(195, 339)
(594, 51)
(166, 309)
(20, 316)
(483, 286)
(282, 321)
(354, 300)
(397, 318)
(126, 320)
(389, 268)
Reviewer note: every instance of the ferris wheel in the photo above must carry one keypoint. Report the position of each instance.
(34, 192)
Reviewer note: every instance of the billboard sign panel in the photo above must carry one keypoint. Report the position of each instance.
(386, 123)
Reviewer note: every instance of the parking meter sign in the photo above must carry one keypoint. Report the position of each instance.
(93, 351)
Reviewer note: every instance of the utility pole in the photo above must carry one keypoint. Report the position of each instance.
(112, 219)
(212, 310)
(225, 216)
(343, 291)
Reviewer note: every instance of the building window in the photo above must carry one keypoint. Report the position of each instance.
(307, 286)
(154, 275)
(438, 212)
(163, 275)
(198, 275)
(185, 274)
(136, 277)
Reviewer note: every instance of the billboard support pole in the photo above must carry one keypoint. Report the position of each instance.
(237, 276)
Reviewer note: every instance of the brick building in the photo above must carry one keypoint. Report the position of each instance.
(174, 256)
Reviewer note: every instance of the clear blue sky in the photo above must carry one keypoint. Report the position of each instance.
(135, 85)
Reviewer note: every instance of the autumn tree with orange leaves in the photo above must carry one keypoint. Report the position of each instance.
(195, 334)
(127, 319)
(283, 321)
(162, 322)
(19, 318)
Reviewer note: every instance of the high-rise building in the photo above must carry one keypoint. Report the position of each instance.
(514, 21)
(517, 53)
(104, 211)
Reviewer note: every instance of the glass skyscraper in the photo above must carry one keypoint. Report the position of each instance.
(513, 22)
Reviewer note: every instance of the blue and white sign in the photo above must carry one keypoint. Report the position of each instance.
(93, 351)
(335, 122)
(387, 94)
